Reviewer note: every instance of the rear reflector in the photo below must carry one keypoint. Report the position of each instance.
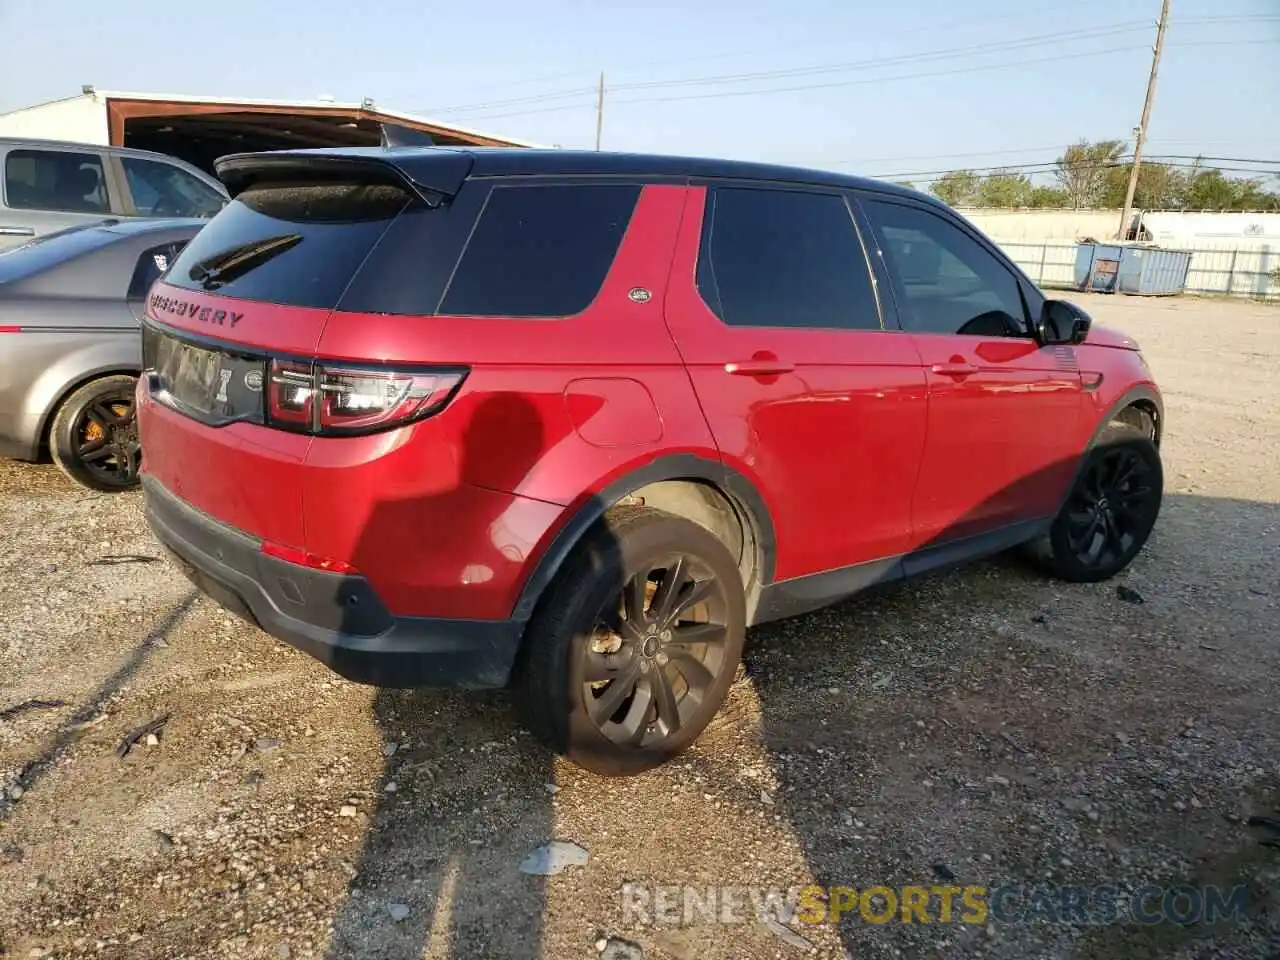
(304, 559)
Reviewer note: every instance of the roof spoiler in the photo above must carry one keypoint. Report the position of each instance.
(432, 175)
(397, 136)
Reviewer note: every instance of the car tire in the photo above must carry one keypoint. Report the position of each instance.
(625, 698)
(94, 437)
(1111, 509)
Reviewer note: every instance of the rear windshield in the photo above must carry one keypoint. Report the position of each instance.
(50, 250)
(289, 243)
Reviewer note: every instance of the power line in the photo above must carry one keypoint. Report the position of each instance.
(1096, 32)
(861, 82)
(1091, 33)
(1054, 6)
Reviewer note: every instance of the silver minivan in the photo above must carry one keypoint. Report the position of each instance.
(48, 185)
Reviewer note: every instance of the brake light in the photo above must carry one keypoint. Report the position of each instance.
(304, 559)
(291, 399)
(336, 399)
(10, 329)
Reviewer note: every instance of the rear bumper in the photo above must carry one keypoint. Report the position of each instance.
(336, 618)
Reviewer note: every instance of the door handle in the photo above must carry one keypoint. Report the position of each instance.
(17, 232)
(759, 368)
(954, 369)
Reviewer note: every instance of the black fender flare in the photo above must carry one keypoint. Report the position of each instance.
(1127, 399)
(741, 492)
(1133, 395)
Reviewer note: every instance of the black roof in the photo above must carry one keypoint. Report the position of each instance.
(440, 168)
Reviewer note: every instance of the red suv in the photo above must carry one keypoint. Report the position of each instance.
(574, 421)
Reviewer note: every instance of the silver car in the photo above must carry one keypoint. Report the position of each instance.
(47, 185)
(70, 346)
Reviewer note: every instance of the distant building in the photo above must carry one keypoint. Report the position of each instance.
(201, 129)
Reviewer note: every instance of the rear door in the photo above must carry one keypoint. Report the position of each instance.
(1003, 410)
(46, 190)
(774, 309)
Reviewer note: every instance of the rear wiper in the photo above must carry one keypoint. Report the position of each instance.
(213, 272)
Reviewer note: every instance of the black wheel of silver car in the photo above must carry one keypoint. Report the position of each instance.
(1111, 509)
(633, 649)
(94, 438)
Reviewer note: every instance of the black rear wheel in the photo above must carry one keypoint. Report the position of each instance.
(94, 438)
(633, 649)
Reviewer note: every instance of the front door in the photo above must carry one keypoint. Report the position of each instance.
(1003, 410)
(775, 313)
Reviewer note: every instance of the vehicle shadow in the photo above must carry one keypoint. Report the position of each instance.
(463, 794)
(34, 770)
(906, 757)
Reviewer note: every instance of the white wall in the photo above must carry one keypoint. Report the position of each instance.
(1044, 224)
(1235, 268)
(82, 119)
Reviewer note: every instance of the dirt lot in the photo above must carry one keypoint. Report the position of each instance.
(984, 725)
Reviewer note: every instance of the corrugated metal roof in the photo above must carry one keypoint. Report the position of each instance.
(368, 106)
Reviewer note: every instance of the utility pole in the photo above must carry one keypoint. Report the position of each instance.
(599, 109)
(1141, 135)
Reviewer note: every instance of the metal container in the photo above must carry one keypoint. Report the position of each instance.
(1097, 266)
(1152, 271)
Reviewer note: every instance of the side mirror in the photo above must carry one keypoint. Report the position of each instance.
(1061, 321)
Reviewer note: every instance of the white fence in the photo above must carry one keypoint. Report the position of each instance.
(1233, 268)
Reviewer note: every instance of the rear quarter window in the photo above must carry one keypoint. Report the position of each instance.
(540, 250)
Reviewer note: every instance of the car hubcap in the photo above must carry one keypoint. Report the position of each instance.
(107, 439)
(1110, 508)
(655, 652)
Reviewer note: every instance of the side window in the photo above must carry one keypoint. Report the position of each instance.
(540, 251)
(777, 258)
(163, 190)
(151, 266)
(55, 180)
(945, 281)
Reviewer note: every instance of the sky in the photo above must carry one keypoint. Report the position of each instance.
(895, 88)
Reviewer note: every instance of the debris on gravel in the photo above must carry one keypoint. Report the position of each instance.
(552, 857)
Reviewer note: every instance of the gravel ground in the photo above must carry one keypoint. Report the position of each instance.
(984, 724)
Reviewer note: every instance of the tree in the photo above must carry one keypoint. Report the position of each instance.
(1004, 188)
(1082, 170)
(957, 188)
(1159, 187)
(1048, 198)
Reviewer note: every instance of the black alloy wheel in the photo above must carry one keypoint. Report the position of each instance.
(94, 439)
(1111, 507)
(634, 646)
(655, 653)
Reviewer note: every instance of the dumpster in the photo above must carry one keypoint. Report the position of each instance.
(1097, 265)
(1152, 271)
(1131, 268)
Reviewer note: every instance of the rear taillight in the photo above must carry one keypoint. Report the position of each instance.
(291, 399)
(9, 329)
(336, 399)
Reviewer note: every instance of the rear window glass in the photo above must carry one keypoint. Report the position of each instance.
(293, 244)
(50, 250)
(540, 251)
